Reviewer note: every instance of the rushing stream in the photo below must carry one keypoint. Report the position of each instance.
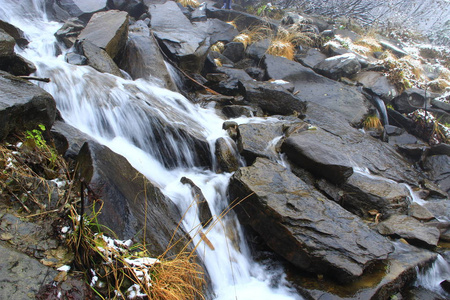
(115, 112)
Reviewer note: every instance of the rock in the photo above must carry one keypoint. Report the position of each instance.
(301, 225)
(98, 58)
(311, 58)
(227, 155)
(69, 32)
(410, 100)
(392, 130)
(74, 138)
(178, 36)
(143, 59)
(410, 229)
(378, 84)
(204, 213)
(258, 50)
(312, 87)
(17, 65)
(107, 30)
(438, 167)
(364, 192)
(333, 148)
(392, 48)
(235, 111)
(273, 98)
(234, 51)
(135, 8)
(7, 44)
(440, 104)
(16, 33)
(335, 67)
(445, 284)
(139, 28)
(419, 293)
(440, 149)
(22, 276)
(82, 8)
(420, 212)
(129, 200)
(217, 30)
(23, 106)
(76, 59)
(199, 14)
(439, 208)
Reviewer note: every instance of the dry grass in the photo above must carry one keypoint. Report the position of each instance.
(191, 3)
(372, 122)
(218, 47)
(404, 73)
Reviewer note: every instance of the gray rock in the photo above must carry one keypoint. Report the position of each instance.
(438, 167)
(315, 88)
(75, 139)
(82, 8)
(16, 33)
(23, 105)
(312, 58)
(420, 212)
(234, 51)
(393, 48)
(273, 98)
(108, 31)
(410, 229)
(134, 7)
(410, 100)
(392, 130)
(203, 210)
(69, 32)
(17, 65)
(440, 104)
(439, 208)
(142, 59)
(301, 225)
(217, 30)
(76, 59)
(235, 111)
(335, 67)
(199, 14)
(129, 200)
(378, 84)
(98, 58)
(227, 155)
(21, 276)
(258, 50)
(7, 44)
(174, 30)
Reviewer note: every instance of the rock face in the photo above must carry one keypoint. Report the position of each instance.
(107, 30)
(129, 204)
(23, 105)
(315, 88)
(178, 36)
(300, 224)
(143, 59)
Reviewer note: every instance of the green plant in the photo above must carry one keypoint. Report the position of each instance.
(35, 139)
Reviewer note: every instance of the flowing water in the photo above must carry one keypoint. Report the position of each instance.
(128, 117)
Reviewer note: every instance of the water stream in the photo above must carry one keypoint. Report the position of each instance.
(127, 116)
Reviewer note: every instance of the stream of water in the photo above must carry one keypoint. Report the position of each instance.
(115, 112)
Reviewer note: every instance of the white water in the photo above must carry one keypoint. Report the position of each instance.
(431, 278)
(116, 112)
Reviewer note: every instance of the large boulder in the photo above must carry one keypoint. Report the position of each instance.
(23, 105)
(410, 100)
(69, 32)
(83, 9)
(16, 33)
(378, 84)
(134, 7)
(130, 201)
(273, 98)
(302, 225)
(312, 87)
(142, 59)
(107, 30)
(335, 67)
(178, 37)
(98, 58)
(17, 65)
(218, 30)
(438, 167)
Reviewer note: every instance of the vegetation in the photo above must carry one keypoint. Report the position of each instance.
(191, 3)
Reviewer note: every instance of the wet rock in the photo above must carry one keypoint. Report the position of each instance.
(363, 192)
(378, 84)
(23, 105)
(234, 51)
(445, 285)
(76, 59)
(98, 58)
(273, 98)
(438, 167)
(410, 229)
(227, 155)
(108, 31)
(203, 210)
(419, 293)
(135, 8)
(178, 36)
(130, 200)
(24, 275)
(439, 208)
(301, 225)
(410, 100)
(17, 65)
(82, 8)
(69, 32)
(142, 59)
(420, 212)
(74, 138)
(258, 50)
(235, 111)
(311, 58)
(335, 67)
(7, 44)
(318, 89)
(217, 30)
(16, 33)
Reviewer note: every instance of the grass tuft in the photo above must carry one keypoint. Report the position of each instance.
(191, 3)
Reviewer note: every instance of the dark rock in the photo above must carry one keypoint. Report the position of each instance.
(227, 155)
(318, 89)
(258, 50)
(440, 104)
(204, 213)
(23, 105)
(445, 285)
(392, 130)
(255, 73)
(419, 293)
(335, 67)
(69, 32)
(301, 225)
(393, 48)
(75, 139)
(218, 30)
(71, 288)
(21, 276)
(311, 58)
(233, 73)
(234, 51)
(7, 44)
(332, 50)
(235, 111)
(130, 200)
(410, 100)
(273, 98)
(76, 59)
(420, 212)
(438, 167)
(410, 229)
(98, 58)
(345, 33)
(108, 31)
(378, 84)
(363, 192)
(440, 149)
(178, 36)
(16, 33)
(135, 8)
(82, 8)
(143, 59)
(199, 14)
(17, 65)
(439, 208)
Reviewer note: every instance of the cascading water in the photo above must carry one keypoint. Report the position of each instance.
(127, 116)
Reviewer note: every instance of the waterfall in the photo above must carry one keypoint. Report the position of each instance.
(128, 117)
(430, 278)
